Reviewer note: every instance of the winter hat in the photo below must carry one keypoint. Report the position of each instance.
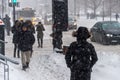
(82, 33)
(39, 22)
(25, 25)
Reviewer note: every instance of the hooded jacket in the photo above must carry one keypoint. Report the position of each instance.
(81, 53)
(26, 40)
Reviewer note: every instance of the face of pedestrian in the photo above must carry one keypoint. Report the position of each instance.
(17, 23)
(24, 28)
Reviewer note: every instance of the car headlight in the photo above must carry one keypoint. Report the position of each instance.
(109, 35)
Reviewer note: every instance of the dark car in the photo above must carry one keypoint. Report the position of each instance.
(106, 32)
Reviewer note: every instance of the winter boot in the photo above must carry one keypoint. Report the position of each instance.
(14, 55)
(27, 64)
(41, 46)
(18, 54)
(24, 68)
(38, 46)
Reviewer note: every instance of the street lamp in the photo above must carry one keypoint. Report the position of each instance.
(103, 11)
(74, 10)
(110, 8)
(14, 4)
(2, 9)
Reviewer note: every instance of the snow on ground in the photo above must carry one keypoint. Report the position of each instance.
(48, 65)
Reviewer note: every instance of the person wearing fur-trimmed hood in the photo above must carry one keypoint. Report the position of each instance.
(81, 55)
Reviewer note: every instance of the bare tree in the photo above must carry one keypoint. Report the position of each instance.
(110, 6)
(94, 4)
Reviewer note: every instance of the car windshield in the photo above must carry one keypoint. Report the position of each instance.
(111, 25)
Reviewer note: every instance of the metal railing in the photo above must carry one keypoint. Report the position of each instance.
(3, 60)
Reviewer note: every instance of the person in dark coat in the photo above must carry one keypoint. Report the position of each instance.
(15, 30)
(116, 16)
(31, 28)
(7, 24)
(40, 28)
(81, 56)
(26, 41)
(57, 39)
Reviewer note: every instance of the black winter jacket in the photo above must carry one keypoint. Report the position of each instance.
(15, 32)
(81, 55)
(26, 40)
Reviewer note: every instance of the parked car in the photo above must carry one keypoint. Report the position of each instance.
(106, 32)
(72, 24)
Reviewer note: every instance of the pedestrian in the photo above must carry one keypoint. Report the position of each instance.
(81, 56)
(58, 36)
(15, 30)
(40, 28)
(7, 24)
(31, 28)
(26, 41)
(116, 16)
(88, 15)
(57, 40)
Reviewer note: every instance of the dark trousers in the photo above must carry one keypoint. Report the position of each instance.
(16, 49)
(40, 42)
(80, 75)
(31, 52)
(57, 43)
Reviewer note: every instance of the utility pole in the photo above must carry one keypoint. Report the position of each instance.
(2, 9)
(14, 3)
(103, 10)
(13, 13)
(110, 7)
(74, 10)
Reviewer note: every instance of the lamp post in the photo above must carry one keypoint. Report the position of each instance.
(103, 11)
(2, 9)
(13, 13)
(75, 18)
(110, 7)
(74, 9)
(14, 4)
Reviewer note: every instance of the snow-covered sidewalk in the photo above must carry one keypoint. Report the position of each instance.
(48, 65)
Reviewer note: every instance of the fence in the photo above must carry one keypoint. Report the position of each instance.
(4, 60)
